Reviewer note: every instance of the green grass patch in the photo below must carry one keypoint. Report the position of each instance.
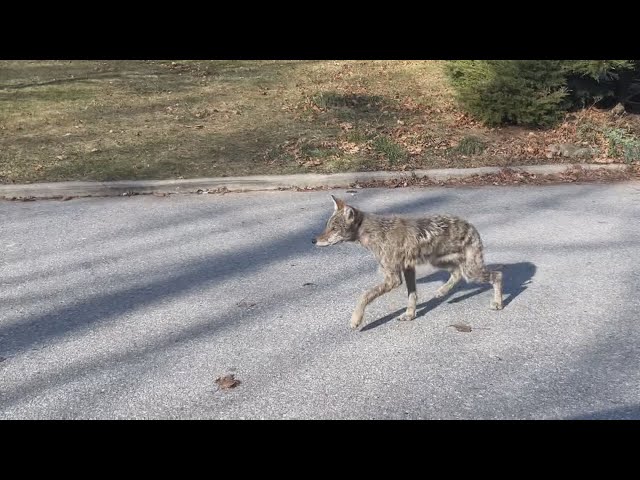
(471, 145)
(623, 144)
(317, 151)
(391, 151)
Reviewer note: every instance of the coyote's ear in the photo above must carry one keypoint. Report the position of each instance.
(337, 203)
(349, 214)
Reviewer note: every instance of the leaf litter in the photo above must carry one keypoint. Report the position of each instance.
(227, 382)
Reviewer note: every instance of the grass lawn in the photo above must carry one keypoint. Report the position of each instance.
(114, 120)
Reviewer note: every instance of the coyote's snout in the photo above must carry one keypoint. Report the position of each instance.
(400, 243)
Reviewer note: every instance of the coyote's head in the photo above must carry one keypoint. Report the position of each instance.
(341, 227)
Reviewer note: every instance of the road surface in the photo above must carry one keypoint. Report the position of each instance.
(132, 307)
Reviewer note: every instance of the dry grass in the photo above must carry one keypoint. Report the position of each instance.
(96, 120)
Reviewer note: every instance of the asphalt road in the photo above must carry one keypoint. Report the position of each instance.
(132, 307)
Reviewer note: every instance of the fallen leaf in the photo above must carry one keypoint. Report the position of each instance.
(349, 147)
(245, 304)
(461, 327)
(227, 382)
(312, 163)
(220, 190)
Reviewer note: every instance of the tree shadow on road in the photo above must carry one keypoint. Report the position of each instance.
(620, 413)
(516, 279)
(183, 277)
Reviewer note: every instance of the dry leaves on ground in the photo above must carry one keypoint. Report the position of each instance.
(509, 176)
(228, 381)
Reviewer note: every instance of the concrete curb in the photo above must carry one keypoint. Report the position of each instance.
(260, 182)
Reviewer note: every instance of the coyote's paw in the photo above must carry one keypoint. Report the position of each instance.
(356, 320)
(406, 317)
(441, 292)
(495, 305)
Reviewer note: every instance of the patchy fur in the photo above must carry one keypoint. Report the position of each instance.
(401, 243)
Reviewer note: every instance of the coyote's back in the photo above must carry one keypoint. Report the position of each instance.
(400, 243)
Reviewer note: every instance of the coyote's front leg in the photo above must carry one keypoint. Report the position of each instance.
(391, 281)
(410, 280)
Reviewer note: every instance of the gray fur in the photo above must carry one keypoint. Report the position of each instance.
(401, 243)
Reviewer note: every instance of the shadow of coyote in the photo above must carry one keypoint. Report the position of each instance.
(400, 243)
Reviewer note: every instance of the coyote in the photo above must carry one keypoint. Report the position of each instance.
(400, 243)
